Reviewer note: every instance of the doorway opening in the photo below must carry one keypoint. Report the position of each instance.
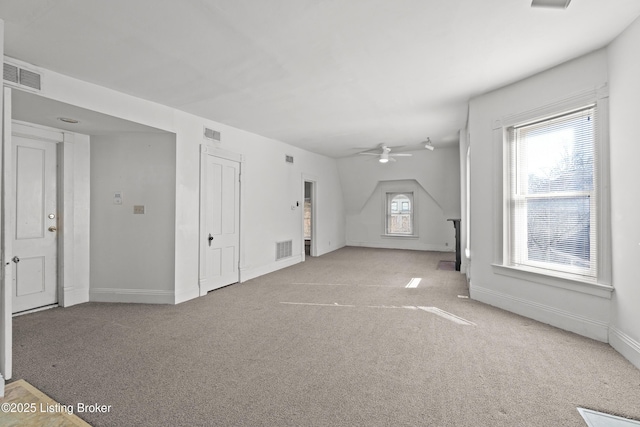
(309, 218)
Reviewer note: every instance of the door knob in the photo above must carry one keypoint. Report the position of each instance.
(15, 259)
(210, 239)
(52, 228)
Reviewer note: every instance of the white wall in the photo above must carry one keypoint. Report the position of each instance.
(581, 309)
(132, 255)
(624, 69)
(269, 186)
(437, 174)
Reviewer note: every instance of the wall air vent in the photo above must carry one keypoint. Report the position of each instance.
(30, 79)
(10, 73)
(284, 249)
(21, 77)
(211, 134)
(288, 159)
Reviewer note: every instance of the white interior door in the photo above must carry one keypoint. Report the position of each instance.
(35, 218)
(219, 221)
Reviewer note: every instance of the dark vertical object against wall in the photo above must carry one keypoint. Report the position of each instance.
(456, 226)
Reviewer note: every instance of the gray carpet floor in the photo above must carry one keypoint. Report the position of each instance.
(334, 341)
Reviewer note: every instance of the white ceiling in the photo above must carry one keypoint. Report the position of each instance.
(324, 75)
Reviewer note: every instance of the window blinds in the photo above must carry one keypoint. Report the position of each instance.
(553, 172)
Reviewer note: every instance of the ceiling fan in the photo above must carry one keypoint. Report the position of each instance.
(384, 153)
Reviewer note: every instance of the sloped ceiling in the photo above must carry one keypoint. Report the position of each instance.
(325, 75)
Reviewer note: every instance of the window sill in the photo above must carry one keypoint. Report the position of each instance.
(559, 280)
(402, 236)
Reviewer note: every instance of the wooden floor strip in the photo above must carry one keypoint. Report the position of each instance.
(26, 406)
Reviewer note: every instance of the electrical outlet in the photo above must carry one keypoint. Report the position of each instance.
(138, 209)
(117, 198)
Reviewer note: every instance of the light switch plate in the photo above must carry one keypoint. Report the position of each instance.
(117, 198)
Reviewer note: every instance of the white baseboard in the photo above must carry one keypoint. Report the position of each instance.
(625, 345)
(325, 250)
(187, 295)
(73, 296)
(141, 296)
(409, 245)
(553, 316)
(253, 272)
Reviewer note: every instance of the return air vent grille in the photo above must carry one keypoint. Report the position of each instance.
(288, 159)
(284, 249)
(21, 77)
(30, 79)
(10, 73)
(211, 134)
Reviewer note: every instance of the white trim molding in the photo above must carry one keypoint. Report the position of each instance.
(566, 281)
(625, 345)
(404, 242)
(581, 325)
(599, 96)
(141, 296)
(248, 273)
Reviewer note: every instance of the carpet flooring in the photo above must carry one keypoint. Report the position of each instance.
(338, 340)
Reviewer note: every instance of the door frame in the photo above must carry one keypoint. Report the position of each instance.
(6, 245)
(65, 204)
(209, 149)
(313, 249)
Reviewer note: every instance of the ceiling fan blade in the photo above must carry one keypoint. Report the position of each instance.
(401, 154)
(366, 153)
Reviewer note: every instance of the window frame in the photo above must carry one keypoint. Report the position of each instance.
(518, 199)
(391, 199)
(601, 283)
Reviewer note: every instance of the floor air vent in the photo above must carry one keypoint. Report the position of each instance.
(21, 77)
(284, 249)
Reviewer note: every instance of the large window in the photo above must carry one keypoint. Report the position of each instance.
(552, 198)
(399, 214)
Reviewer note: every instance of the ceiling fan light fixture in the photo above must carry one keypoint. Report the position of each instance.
(384, 157)
(428, 145)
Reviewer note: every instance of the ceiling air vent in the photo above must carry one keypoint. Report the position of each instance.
(21, 77)
(211, 134)
(288, 159)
